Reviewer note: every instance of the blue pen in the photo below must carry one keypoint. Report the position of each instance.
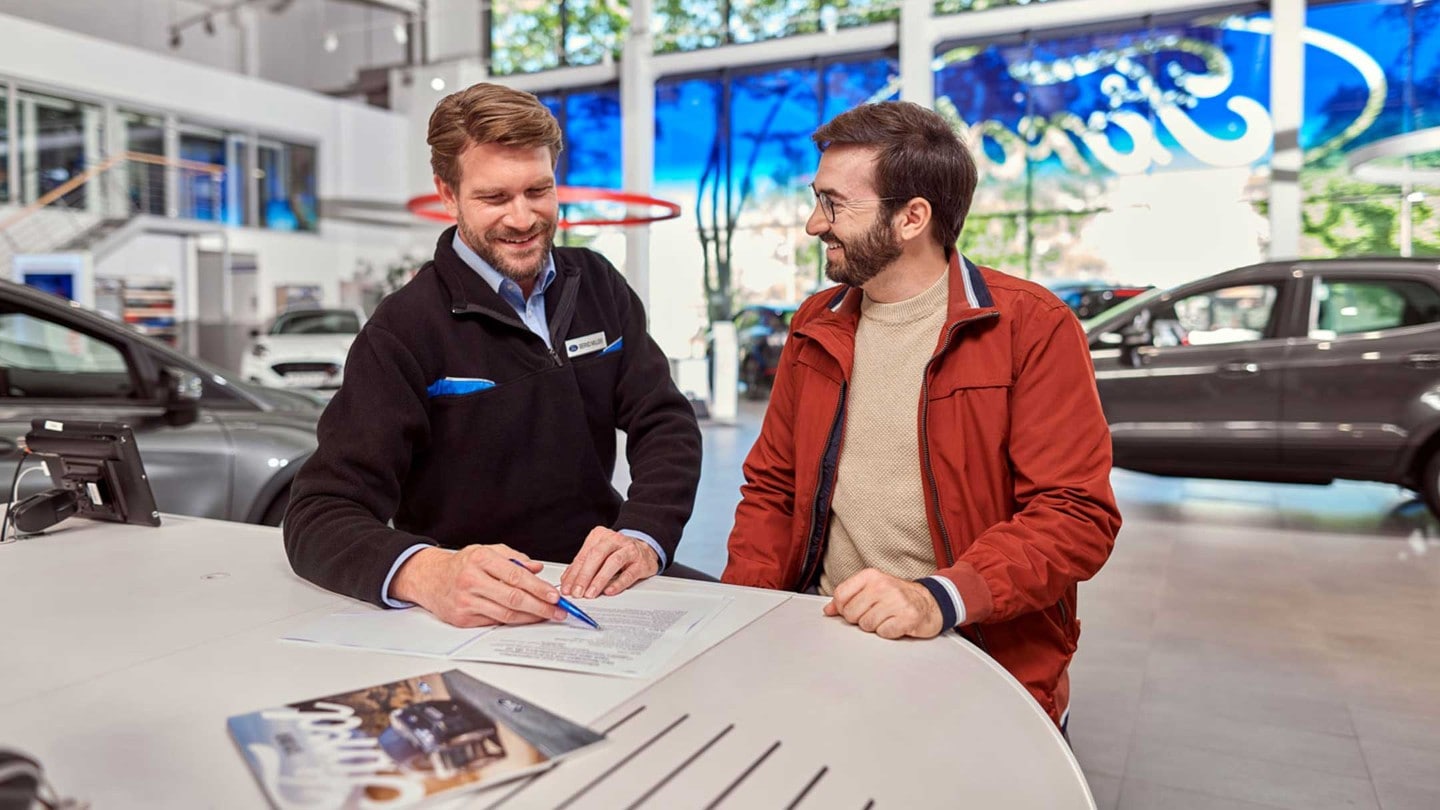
(567, 605)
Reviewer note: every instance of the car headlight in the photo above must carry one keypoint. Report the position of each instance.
(260, 350)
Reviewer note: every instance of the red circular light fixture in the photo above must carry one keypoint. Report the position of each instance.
(428, 206)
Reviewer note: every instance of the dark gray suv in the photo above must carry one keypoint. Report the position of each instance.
(1300, 371)
(212, 446)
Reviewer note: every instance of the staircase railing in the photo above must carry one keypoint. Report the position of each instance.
(109, 194)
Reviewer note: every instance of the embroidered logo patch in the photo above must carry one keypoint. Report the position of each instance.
(574, 347)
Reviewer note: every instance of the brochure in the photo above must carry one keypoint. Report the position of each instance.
(402, 743)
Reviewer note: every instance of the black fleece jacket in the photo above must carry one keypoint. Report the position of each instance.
(526, 461)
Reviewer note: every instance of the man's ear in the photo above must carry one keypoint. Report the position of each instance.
(447, 196)
(914, 218)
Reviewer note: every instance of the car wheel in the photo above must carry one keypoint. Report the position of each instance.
(1431, 485)
(275, 513)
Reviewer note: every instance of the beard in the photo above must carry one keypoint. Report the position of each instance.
(865, 256)
(488, 249)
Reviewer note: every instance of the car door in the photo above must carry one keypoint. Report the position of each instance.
(68, 368)
(1357, 381)
(1200, 394)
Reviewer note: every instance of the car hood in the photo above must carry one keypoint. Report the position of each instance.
(298, 347)
(299, 405)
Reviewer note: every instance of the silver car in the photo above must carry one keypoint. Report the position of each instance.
(213, 446)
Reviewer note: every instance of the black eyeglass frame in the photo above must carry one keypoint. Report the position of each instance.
(828, 204)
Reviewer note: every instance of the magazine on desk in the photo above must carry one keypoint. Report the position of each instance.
(402, 743)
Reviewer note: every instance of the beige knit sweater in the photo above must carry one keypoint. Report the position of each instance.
(878, 512)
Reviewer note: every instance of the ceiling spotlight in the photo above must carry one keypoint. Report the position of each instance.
(402, 35)
(332, 42)
(210, 25)
(437, 84)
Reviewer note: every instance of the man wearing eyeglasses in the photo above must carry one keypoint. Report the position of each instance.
(934, 455)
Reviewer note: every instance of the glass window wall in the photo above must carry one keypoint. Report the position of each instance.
(1371, 72)
(145, 180)
(58, 139)
(285, 186)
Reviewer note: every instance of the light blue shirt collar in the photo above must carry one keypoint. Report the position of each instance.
(506, 288)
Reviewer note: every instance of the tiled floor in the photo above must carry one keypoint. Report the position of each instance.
(1246, 646)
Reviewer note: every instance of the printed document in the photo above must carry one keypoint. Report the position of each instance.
(641, 631)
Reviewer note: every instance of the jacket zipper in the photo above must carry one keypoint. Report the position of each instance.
(827, 471)
(1064, 611)
(929, 465)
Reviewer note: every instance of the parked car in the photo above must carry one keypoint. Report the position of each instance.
(760, 333)
(1299, 371)
(302, 348)
(212, 446)
(1093, 302)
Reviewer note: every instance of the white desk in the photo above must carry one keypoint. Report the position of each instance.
(126, 648)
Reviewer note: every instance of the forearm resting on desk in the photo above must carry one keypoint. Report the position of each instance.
(477, 586)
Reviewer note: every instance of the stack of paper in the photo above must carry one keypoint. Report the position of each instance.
(641, 631)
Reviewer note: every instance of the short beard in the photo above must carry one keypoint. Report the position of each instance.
(519, 275)
(866, 256)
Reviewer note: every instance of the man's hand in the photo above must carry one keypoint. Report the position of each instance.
(608, 563)
(477, 586)
(887, 606)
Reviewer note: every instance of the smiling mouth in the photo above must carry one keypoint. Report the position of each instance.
(522, 242)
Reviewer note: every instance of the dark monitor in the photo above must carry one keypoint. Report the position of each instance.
(97, 474)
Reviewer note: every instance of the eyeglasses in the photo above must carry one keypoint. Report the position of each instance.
(828, 205)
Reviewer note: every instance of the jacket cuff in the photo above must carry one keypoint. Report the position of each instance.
(974, 592)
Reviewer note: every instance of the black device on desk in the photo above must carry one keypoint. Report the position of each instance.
(97, 473)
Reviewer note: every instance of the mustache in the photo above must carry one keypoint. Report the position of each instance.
(540, 229)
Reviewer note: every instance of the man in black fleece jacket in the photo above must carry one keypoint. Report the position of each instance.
(480, 404)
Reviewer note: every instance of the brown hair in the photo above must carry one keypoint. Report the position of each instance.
(919, 156)
(487, 113)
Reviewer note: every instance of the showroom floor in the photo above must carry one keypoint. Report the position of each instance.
(1246, 646)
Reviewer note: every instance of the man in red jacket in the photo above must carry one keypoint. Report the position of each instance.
(934, 455)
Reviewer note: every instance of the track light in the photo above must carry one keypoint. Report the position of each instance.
(210, 25)
(174, 38)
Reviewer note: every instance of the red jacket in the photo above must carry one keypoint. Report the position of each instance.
(1014, 450)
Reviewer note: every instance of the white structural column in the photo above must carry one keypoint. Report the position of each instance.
(637, 125)
(1287, 107)
(917, 52)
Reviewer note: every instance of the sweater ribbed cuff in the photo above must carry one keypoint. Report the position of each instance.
(950, 612)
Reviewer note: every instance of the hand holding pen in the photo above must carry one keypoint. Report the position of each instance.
(566, 605)
(477, 586)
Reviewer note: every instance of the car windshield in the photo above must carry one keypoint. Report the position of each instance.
(1118, 311)
(317, 322)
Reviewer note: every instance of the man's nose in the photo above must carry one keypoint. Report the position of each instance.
(520, 214)
(817, 223)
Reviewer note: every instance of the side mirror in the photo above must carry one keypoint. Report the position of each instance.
(182, 390)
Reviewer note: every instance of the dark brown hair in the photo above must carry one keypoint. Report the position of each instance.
(919, 155)
(487, 113)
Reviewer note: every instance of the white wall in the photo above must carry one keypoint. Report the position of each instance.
(361, 148)
(322, 260)
(291, 41)
(150, 254)
(139, 23)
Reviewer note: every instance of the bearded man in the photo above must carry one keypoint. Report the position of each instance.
(476, 422)
(934, 456)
